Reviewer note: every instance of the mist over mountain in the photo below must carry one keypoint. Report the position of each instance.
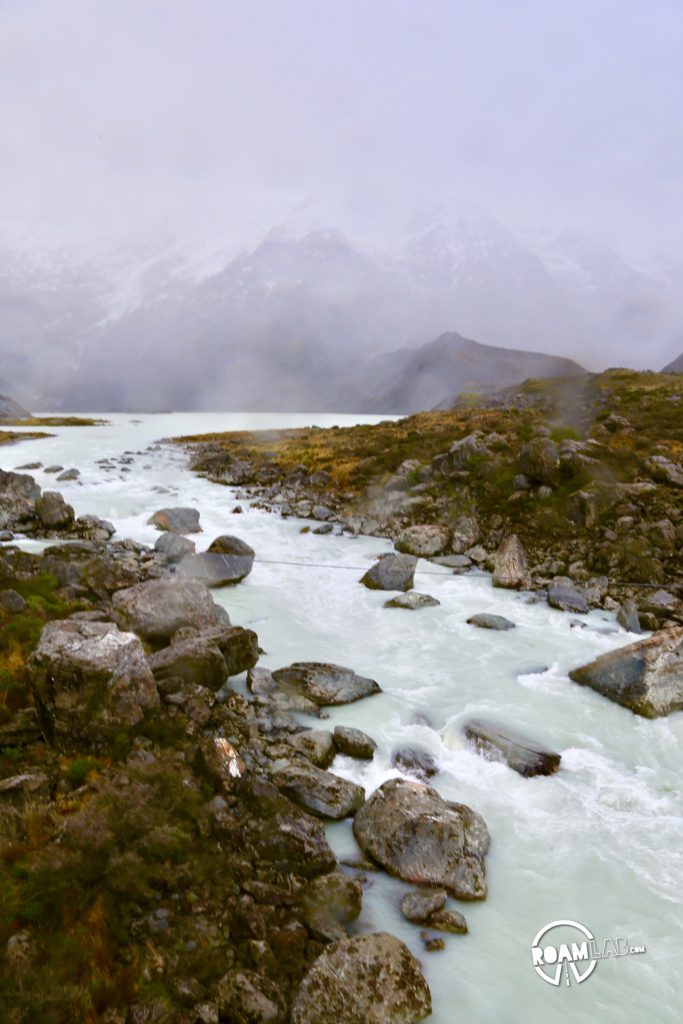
(307, 320)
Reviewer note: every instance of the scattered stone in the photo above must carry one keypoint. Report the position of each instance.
(500, 743)
(354, 743)
(176, 520)
(451, 921)
(245, 997)
(325, 684)
(69, 474)
(465, 534)
(54, 469)
(323, 529)
(511, 570)
(540, 461)
(174, 546)
(432, 944)
(415, 834)
(487, 621)
(220, 762)
(665, 471)
(227, 561)
(565, 598)
(319, 792)
(260, 682)
(418, 906)
(414, 761)
(646, 677)
(391, 572)
(412, 601)
(370, 978)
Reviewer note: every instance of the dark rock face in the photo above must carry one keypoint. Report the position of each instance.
(329, 902)
(156, 609)
(319, 792)
(176, 520)
(646, 677)
(174, 546)
(523, 755)
(412, 601)
(195, 660)
(415, 834)
(487, 621)
(238, 645)
(423, 541)
(391, 572)
(286, 837)
(511, 570)
(90, 681)
(53, 512)
(414, 761)
(227, 561)
(566, 598)
(369, 979)
(354, 743)
(325, 684)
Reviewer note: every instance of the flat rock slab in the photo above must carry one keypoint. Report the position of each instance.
(319, 792)
(418, 836)
(216, 569)
(646, 677)
(176, 520)
(368, 979)
(523, 755)
(487, 621)
(391, 572)
(324, 683)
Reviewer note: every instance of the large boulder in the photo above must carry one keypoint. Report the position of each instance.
(325, 684)
(90, 682)
(646, 677)
(18, 486)
(261, 683)
(415, 834)
(329, 902)
(194, 660)
(174, 546)
(316, 745)
(53, 512)
(238, 645)
(566, 598)
(156, 609)
(391, 572)
(354, 743)
(319, 792)
(500, 743)
(228, 560)
(284, 835)
(510, 568)
(176, 520)
(540, 461)
(423, 541)
(368, 979)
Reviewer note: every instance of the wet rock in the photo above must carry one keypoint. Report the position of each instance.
(53, 512)
(432, 944)
(260, 682)
(323, 529)
(540, 461)
(423, 541)
(176, 520)
(565, 598)
(174, 546)
(354, 743)
(511, 570)
(418, 906)
(69, 474)
(11, 601)
(368, 979)
(90, 682)
(54, 469)
(391, 572)
(415, 834)
(325, 684)
(627, 617)
(412, 601)
(329, 902)
(317, 745)
(459, 563)
(500, 743)
(156, 609)
(451, 921)
(414, 761)
(245, 997)
(319, 792)
(646, 677)
(227, 561)
(487, 621)
(195, 660)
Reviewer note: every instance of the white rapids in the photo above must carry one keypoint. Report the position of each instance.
(600, 843)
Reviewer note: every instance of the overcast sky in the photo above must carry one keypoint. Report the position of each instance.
(119, 117)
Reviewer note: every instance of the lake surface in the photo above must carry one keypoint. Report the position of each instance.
(600, 843)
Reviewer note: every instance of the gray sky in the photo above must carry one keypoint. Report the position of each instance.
(119, 117)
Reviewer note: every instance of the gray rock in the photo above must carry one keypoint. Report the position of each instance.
(487, 621)
(418, 906)
(245, 997)
(90, 682)
(321, 512)
(11, 601)
(511, 570)
(391, 572)
(329, 903)
(69, 474)
(646, 677)
(18, 486)
(238, 645)
(414, 761)
(500, 743)
(317, 745)
(325, 684)
(319, 792)
(566, 598)
(459, 563)
(53, 512)
(540, 461)
(156, 609)
(54, 469)
(93, 528)
(665, 471)
(354, 743)
(412, 601)
(176, 520)
(324, 528)
(174, 546)
(368, 979)
(661, 604)
(465, 534)
(195, 660)
(423, 541)
(260, 682)
(627, 617)
(227, 561)
(419, 837)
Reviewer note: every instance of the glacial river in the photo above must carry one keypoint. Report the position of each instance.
(600, 843)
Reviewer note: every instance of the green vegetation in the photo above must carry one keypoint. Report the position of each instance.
(56, 421)
(12, 437)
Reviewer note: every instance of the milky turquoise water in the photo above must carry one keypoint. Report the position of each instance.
(600, 843)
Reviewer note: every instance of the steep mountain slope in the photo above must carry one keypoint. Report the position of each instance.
(674, 367)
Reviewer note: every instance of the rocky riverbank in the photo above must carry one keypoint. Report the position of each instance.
(587, 474)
